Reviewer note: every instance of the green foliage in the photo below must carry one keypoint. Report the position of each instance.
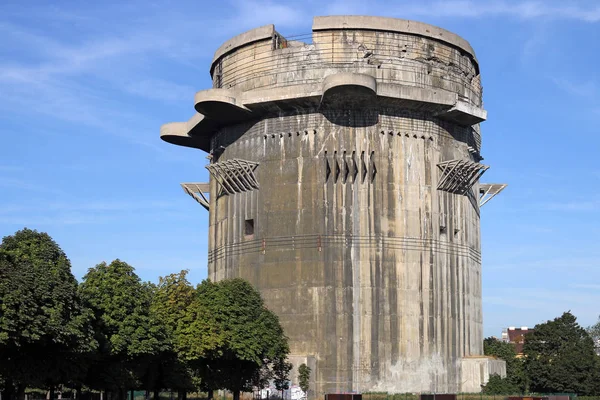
(115, 333)
(498, 385)
(560, 358)
(230, 337)
(170, 302)
(304, 377)
(594, 332)
(281, 371)
(130, 336)
(45, 330)
(515, 371)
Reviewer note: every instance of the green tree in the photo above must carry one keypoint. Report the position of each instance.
(230, 337)
(560, 357)
(304, 377)
(594, 332)
(498, 385)
(131, 338)
(515, 381)
(281, 372)
(172, 297)
(45, 331)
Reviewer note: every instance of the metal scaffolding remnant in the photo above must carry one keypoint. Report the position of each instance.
(459, 176)
(487, 191)
(234, 176)
(197, 190)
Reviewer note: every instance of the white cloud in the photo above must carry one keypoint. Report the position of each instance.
(251, 14)
(22, 184)
(558, 264)
(533, 305)
(158, 89)
(583, 89)
(591, 286)
(575, 205)
(471, 9)
(80, 211)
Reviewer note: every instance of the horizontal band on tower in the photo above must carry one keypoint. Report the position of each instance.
(321, 242)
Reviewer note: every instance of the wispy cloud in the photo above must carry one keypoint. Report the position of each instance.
(474, 9)
(81, 211)
(574, 205)
(71, 218)
(560, 264)
(86, 80)
(11, 168)
(250, 14)
(158, 89)
(27, 185)
(591, 286)
(541, 304)
(583, 89)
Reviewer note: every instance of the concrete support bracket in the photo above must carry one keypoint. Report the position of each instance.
(197, 192)
(464, 114)
(488, 191)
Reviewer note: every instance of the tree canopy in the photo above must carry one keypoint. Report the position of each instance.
(45, 330)
(515, 374)
(170, 302)
(130, 336)
(239, 338)
(304, 377)
(560, 357)
(115, 333)
(594, 332)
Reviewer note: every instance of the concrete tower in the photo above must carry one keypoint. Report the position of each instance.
(344, 185)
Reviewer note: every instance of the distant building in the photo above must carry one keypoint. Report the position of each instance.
(516, 336)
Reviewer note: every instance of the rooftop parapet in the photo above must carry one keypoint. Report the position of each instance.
(397, 63)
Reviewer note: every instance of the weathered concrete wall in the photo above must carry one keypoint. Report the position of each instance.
(388, 56)
(374, 272)
(358, 272)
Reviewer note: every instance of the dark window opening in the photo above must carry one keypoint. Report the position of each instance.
(249, 227)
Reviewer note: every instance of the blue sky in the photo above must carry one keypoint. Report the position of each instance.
(85, 87)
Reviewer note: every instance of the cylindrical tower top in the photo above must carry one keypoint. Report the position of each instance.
(354, 22)
(404, 64)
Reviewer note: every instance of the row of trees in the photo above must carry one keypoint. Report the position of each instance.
(559, 356)
(115, 333)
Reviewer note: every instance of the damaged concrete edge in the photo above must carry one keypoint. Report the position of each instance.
(251, 36)
(393, 25)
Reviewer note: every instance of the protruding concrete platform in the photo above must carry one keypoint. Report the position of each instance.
(464, 114)
(220, 105)
(349, 90)
(194, 133)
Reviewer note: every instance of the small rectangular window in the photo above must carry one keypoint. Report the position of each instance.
(249, 227)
